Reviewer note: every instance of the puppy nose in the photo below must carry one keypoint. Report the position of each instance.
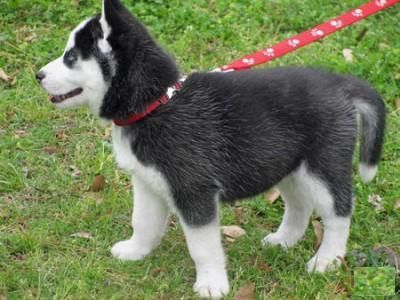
(40, 76)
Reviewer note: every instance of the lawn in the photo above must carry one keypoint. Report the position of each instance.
(56, 233)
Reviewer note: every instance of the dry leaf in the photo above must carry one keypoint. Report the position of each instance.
(75, 172)
(3, 297)
(60, 135)
(156, 271)
(264, 266)
(376, 201)
(397, 204)
(348, 55)
(232, 232)
(50, 150)
(272, 195)
(239, 215)
(246, 292)
(98, 183)
(318, 233)
(84, 235)
(4, 76)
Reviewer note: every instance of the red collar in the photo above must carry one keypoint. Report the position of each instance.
(164, 99)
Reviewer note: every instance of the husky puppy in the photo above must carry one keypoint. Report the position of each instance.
(221, 137)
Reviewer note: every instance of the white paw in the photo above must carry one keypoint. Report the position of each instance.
(212, 287)
(276, 239)
(323, 264)
(128, 250)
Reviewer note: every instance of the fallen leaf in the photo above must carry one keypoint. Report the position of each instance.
(264, 266)
(156, 271)
(3, 297)
(376, 201)
(60, 135)
(51, 150)
(246, 292)
(397, 204)
(272, 195)
(98, 183)
(318, 233)
(4, 76)
(239, 215)
(232, 232)
(348, 55)
(84, 235)
(393, 257)
(75, 172)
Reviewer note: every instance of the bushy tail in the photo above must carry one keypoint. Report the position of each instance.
(372, 116)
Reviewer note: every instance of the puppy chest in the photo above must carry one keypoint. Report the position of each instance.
(128, 161)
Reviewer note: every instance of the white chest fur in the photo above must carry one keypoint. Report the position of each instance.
(128, 161)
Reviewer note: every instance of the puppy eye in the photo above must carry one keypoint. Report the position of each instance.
(70, 58)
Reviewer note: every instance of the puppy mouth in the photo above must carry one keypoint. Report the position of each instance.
(61, 98)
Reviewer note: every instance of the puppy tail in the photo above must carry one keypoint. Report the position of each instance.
(371, 109)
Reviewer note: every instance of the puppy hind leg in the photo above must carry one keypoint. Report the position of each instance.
(336, 228)
(149, 221)
(298, 209)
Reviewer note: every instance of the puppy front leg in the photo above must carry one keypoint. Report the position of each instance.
(204, 243)
(149, 219)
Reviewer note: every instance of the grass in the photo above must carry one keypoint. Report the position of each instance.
(49, 157)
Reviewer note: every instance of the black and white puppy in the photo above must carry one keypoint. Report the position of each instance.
(222, 137)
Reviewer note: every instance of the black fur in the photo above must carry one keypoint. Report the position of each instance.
(236, 134)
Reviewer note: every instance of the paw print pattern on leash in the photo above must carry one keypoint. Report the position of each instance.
(336, 23)
(381, 3)
(357, 13)
(269, 52)
(248, 61)
(317, 32)
(294, 43)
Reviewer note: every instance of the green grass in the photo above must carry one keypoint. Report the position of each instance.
(42, 204)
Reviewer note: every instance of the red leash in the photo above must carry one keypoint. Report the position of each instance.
(309, 36)
(278, 50)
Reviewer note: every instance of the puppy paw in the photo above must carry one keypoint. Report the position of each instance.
(276, 239)
(128, 250)
(323, 264)
(212, 287)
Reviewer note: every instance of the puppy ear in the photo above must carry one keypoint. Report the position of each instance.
(114, 17)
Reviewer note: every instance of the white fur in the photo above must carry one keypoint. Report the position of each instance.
(298, 210)
(367, 172)
(149, 221)
(127, 161)
(206, 250)
(85, 74)
(151, 205)
(103, 44)
(301, 192)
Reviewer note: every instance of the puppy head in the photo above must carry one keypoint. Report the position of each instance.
(110, 62)
(81, 75)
